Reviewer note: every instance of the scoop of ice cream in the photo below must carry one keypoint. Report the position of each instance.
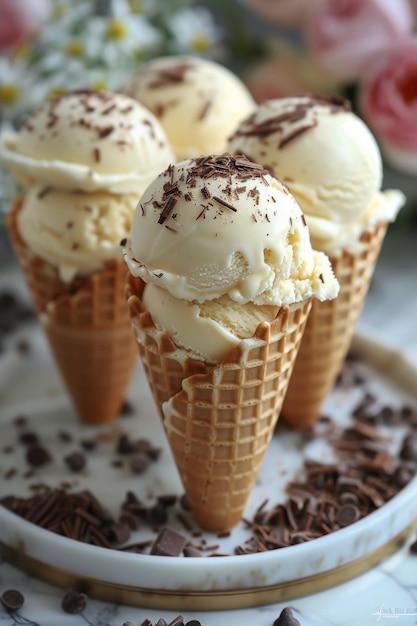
(199, 103)
(85, 140)
(221, 225)
(76, 232)
(222, 245)
(210, 329)
(326, 156)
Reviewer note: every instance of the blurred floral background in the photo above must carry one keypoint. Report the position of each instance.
(365, 50)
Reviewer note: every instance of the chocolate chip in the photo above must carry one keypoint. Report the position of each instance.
(161, 622)
(413, 547)
(168, 543)
(184, 503)
(64, 436)
(286, 618)
(127, 409)
(74, 602)
(124, 444)
(29, 438)
(129, 520)
(167, 500)
(138, 464)
(12, 600)
(348, 514)
(88, 444)
(157, 515)
(154, 453)
(37, 456)
(119, 533)
(76, 461)
(193, 622)
(402, 475)
(409, 448)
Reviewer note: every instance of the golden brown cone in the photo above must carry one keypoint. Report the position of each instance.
(329, 331)
(88, 327)
(219, 419)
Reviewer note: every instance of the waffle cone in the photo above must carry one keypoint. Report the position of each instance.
(329, 331)
(219, 419)
(87, 324)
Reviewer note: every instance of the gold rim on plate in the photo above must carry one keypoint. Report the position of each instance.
(204, 600)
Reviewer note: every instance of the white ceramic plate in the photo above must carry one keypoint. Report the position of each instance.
(216, 582)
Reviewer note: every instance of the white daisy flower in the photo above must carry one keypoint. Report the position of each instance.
(120, 39)
(16, 83)
(194, 30)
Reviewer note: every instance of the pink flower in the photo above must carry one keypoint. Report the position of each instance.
(286, 73)
(388, 101)
(286, 12)
(20, 18)
(347, 35)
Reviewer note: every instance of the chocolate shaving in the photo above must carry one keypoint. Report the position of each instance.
(295, 134)
(204, 110)
(227, 205)
(167, 209)
(105, 131)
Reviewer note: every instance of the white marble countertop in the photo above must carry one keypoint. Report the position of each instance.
(389, 591)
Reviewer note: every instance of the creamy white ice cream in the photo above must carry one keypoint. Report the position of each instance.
(86, 140)
(222, 245)
(198, 102)
(76, 232)
(329, 160)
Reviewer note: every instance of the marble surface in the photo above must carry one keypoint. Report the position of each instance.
(387, 592)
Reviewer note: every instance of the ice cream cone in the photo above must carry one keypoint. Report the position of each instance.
(329, 330)
(219, 419)
(87, 324)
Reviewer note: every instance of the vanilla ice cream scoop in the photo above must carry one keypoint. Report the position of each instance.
(76, 232)
(222, 245)
(86, 140)
(198, 102)
(329, 160)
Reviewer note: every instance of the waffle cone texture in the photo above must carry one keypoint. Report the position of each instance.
(219, 419)
(329, 331)
(87, 325)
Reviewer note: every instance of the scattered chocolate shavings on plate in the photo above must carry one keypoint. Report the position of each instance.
(325, 497)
